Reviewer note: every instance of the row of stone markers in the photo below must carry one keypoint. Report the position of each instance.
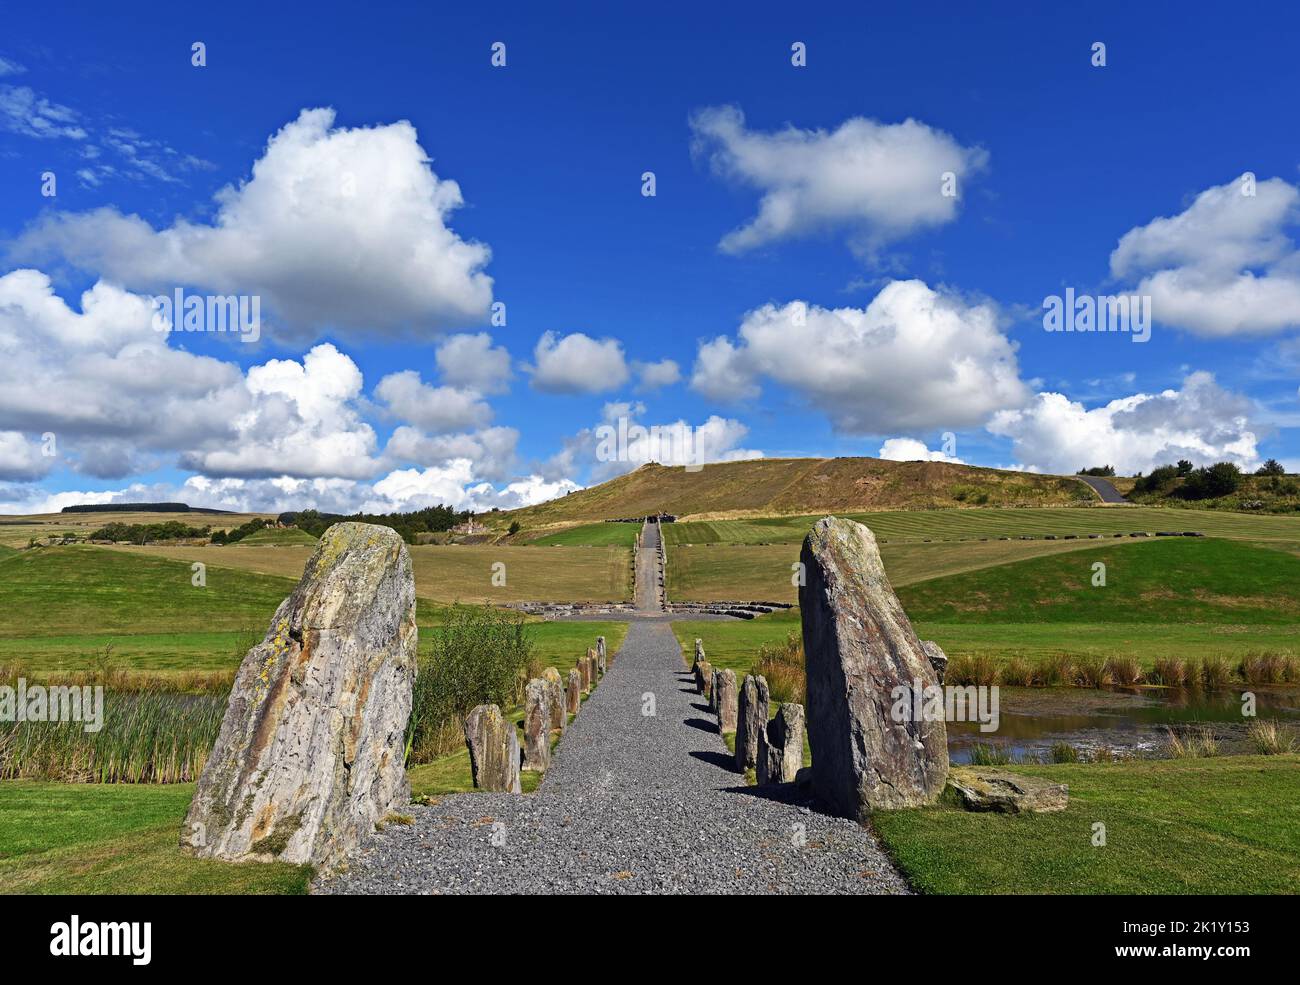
(494, 752)
(772, 748)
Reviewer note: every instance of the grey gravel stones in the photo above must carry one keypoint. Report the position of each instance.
(493, 750)
(633, 803)
(311, 749)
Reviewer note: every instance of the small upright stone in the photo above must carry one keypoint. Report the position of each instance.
(584, 668)
(703, 677)
(859, 646)
(493, 750)
(555, 700)
(537, 727)
(780, 746)
(574, 692)
(751, 720)
(601, 656)
(724, 699)
(699, 651)
(938, 659)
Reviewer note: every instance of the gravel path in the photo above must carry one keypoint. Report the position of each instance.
(632, 803)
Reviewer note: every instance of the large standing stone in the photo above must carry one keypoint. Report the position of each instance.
(704, 677)
(537, 727)
(555, 699)
(780, 746)
(493, 750)
(938, 659)
(751, 720)
(574, 692)
(858, 646)
(601, 656)
(724, 699)
(311, 749)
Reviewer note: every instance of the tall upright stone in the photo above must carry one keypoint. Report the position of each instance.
(555, 699)
(311, 749)
(573, 693)
(780, 746)
(493, 750)
(725, 700)
(537, 727)
(751, 719)
(601, 656)
(858, 647)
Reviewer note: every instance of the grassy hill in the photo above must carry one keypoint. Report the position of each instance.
(786, 486)
(276, 536)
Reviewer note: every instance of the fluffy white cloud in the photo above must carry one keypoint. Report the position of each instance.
(911, 450)
(578, 363)
(912, 359)
(342, 227)
(877, 180)
(437, 409)
(1224, 266)
(21, 460)
(473, 362)
(491, 450)
(654, 376)
(1201, 422)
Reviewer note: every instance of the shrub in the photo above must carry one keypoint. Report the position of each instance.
(987, 754)
(979, 669)
(1016, 672)
(1269, 667)
(1169, 671)
(1215, 672)
(1063, 752)
(782, 665)
(1220, 479)
(479, 655)
(1092, 672)
(1053, 670)
(1271, 467)
(1270, 738)
(1191, 743)
(1124, 670)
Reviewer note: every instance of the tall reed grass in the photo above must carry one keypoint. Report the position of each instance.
(783, 667)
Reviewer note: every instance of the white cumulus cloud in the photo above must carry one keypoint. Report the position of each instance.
(878, 181)
(912, 450)
(578, 363)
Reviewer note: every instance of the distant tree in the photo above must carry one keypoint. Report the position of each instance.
(1220, 479)
(514, 527)
(1156, 480)
(1104, 470)
(1271, 467)
(1185, 467)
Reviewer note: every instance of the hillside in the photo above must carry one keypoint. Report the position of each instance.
(786, 486)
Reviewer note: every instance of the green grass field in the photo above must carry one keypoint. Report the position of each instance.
(118, 839)
(1227, 825)
(958, 524)
(731, 572)
(276, 536)
(450, 573)
(591, 535)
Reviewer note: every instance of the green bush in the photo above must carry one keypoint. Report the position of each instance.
(480, 655)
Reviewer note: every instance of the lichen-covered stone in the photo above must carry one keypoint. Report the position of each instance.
(751, 719)
(704, 678)
(858, 647)
(982, 789)
(725, 699)
(573, 694)
(780, 746)
(493, 750)
(311, 749)
(537, 727)
(938, 659)
(601, 656)
(555, 699)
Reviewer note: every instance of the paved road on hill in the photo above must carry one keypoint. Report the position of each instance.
(648, 574)
(1104, 488)
(633, 803)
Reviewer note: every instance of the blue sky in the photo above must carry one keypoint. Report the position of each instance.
(377, 183)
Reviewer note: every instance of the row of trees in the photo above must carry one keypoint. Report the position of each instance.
(431, 519)
(1207, 482)
(148, 533)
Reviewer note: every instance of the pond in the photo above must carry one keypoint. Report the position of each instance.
(1126, 721)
